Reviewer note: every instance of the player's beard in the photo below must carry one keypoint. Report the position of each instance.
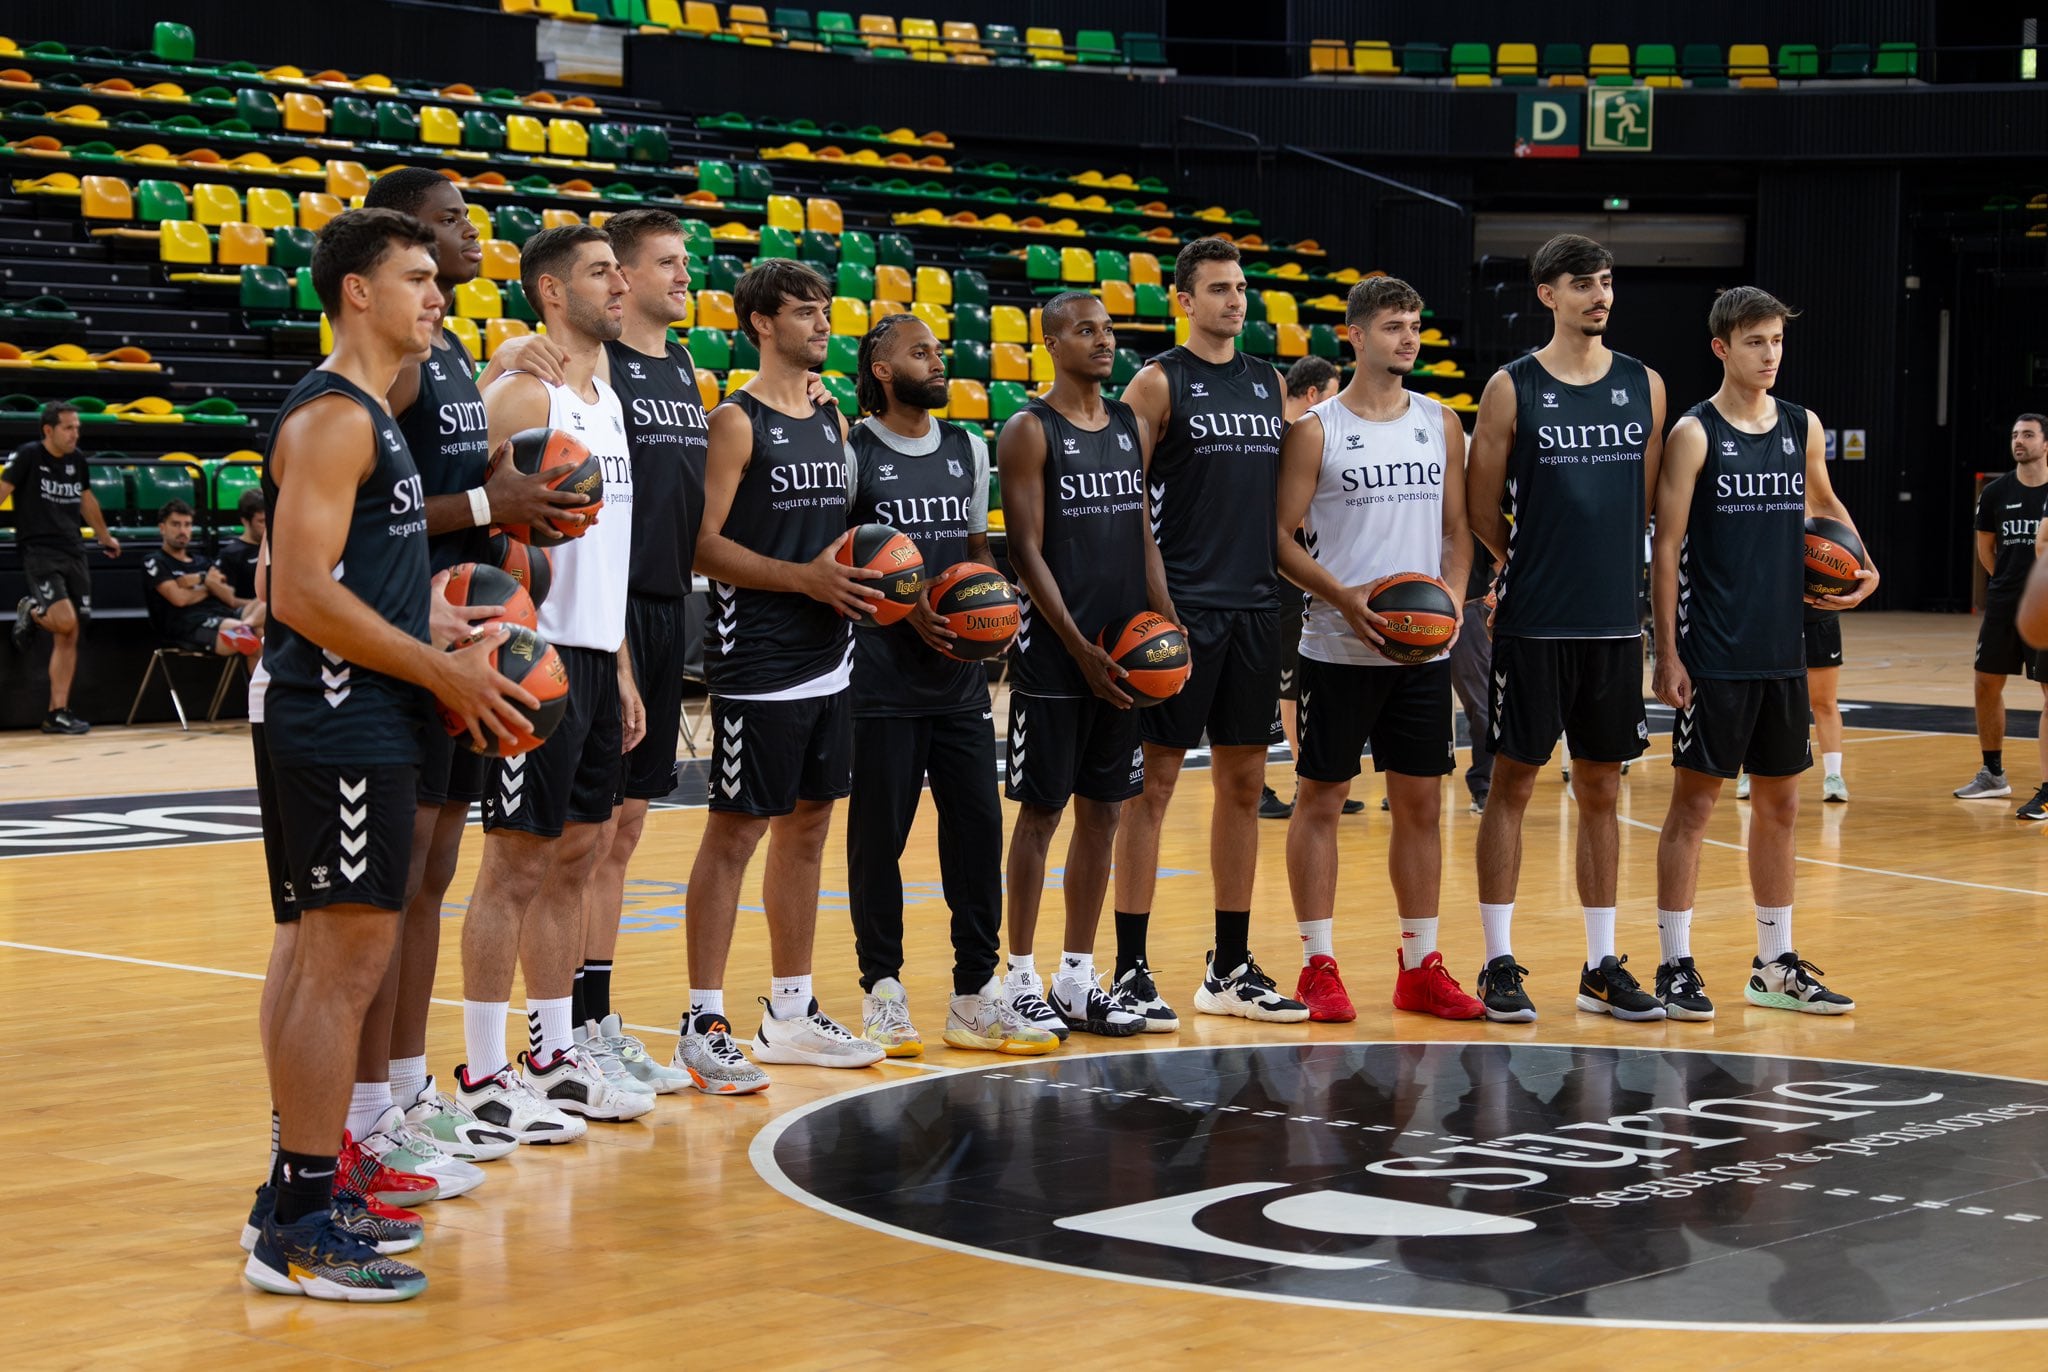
(930, 396)
(1594, 329)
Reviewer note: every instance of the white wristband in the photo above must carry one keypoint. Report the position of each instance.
(479, 507)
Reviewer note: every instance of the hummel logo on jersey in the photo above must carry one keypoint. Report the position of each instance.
(634, 369)
(1072, 447)
(434, 370)
(887, 472)
(1727, 447)
(2015, 505)
(390, 440)
(1124, 441)
(1621, 395)
(1789, 448)
(1197, 388)
(775, 434)
(1550, 400)
(575, 419)
(1353, 441)
(953, 467)
(320, 878)
(1258, 390)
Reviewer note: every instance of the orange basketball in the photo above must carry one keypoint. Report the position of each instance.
(1152, 651)
(479, 583)
(540, 450)
(1833, 557)
(1421, 616)
(528, 660)
(890, 552)
(979, 606)
(524, 563)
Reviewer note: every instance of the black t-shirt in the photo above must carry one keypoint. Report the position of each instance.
(669, 433)
(2009, 510)
(48, 492)
(157, 568)
(1739, 566)
(237, 563)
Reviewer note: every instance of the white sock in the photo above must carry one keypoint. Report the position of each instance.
(1494, 921)
(1674, 934)
(703, 1003)
(547, 1027)
(408, 1079)
(1599, 933)
(1418, 941)
(790, 997)
(1318, 938)
(1773, 931)
(483, 1037)
(1077, 967)
(1024, 962)
(1830, 764)
(366, 1105)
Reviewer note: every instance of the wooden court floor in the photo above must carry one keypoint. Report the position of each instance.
(129, 983)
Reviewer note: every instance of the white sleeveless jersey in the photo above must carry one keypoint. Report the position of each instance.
(586, 606)
(1378, 509)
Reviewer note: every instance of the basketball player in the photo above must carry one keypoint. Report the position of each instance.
(1562, 460)
(1741, 473)
(1376, 476)
(51, 486)
(2009, 510)
(920, 713)
(1310, 382)
(347, 645)
(779, 654)
(1213, 417)
(543, 810)
(1073, 478)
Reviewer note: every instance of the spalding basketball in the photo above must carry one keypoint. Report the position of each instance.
(540, 450)
(979, 606)
(528, 660)
(888, 551)
(1153, 653)
(1421, 617)
(479, 583)
(529, 566)
(1833, 557)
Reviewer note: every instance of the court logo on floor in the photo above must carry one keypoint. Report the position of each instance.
(1546, 1182)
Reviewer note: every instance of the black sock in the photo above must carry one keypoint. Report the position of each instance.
(1994, 758)
(1130, 939)
(305, 1183)
(969, 983)
(1233, 937)
(576, 1010)
(595, 981)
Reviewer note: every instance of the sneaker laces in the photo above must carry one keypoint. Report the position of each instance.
(1029, 1004)
(1621, 979)
(832, 1028)
(719, 1044)
(1136, 986)
(1803, 975)
(1686, 980)
(894, 1014)
(1255, 975)
(1504, 979)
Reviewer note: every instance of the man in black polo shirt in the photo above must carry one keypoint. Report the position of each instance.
(52, 498)
(190, 603)
(238, 557)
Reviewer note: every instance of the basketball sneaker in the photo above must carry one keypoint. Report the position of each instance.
(572, 1081)
(316, 1257)
(1499, 985)
(385, 1228)
(1986, 785)
(885, 1020)
(1682, 991)
(713, 1062)
(1431, 990)
(1321, 989)
(1834, 790)
(362, 1171)
(639, 1064)
(1742, 786)
(507, 1102)
(608, 1062)
(1137, 991)
(1247, 993)
(25, 626)
(1085, 1006)
(2037, 808)
(1024, 993)
(989, 1023)
(453, 1130)
(1611, 989)
(1272, 807)
(402, 1148)
(1789, 982)
(813, 1038)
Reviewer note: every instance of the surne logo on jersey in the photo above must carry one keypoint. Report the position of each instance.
(1422, 435)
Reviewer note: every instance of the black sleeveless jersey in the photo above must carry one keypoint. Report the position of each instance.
(319, 708)
(1574, 502)
(1094, 542)
(449, 437)
(929, 498)
(666, 425)
(790, 505)
(1214, 481)
(1741, 564)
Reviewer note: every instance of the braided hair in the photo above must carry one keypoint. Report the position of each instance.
(867, 387)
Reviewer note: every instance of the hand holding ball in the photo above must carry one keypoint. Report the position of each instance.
(534, 451)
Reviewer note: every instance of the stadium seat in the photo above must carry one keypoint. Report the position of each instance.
(1041, 365)
(1702, 66)
(265, 288)
(1422, 59)
(1097, 46)
(877, 30)
(440, 126)
(257, 109)
(1045, 45)
(291, 248)
(1564, 64)
(934, 286)
(1153, 301)
(707, 389)
(1471, 64)
(820, 249)
(776, 243)
(1005, 399)
(1516, 63)
(856, 282)
(242, 245)
(715, 176)
(526, 134)
(270, 208)
(722, 272)
(214, 204)
(710, 349)
(1125, 370)
(568, 138)
(1749, 65)
(893, 250)
(962, 39)
(857, 247)
(1145, 270)
(1111, 265)
(304, 297)
(1008, 325)
(172, 42)
(701, 18)
(1041, 262)
(351, 117)
(849, 316)
(1608, 65)
(498, 332)
(483, 131)
(158, 201)
(1657, 64)
(1003, 44)
(835, 29)
(842, 354)
(966, 398)
(1849, 59)
(516, 223)
(1119, 299)
(397, 123)
(714, 310)
(517, 306)
(105, 197)
(842, 390)
(935, 318)
(1293, 340)
(501, 259)
(749, 23)
(744, 353)
(970, 357)
(184, 242)
(1323, 342)
(1260, 340)
(785, 212)
(1329, 57)
(971, 322)
(304, 113)
(1280, 307)
(823, 215)
(1798, 60)
(893, 284)
(1077, 266)
(1144, 50)
(795, 25)
(1898, 60)
(466, 330)
(347, 180)
(479, 299)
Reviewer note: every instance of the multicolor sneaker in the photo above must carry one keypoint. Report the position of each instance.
(1789, 982)
(453, 1130)
(885, 1020)
(707, 1055)
(1321, 988)
(362, 1171)
(1682, 991)
(385, 1228)
(1611, 989)
(640, 1065)
(1024, 993)
(1247, 993)
(989, 1023)
(508, 1103)
(316, 1257)
(571, 1081)
(1137, 991)
(1499, 985)
(813, 1038)
(1431, 990)
(402, 1148)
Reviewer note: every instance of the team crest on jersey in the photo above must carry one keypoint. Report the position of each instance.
(1550, 400)
(1422, 435)
(618, 424)
(1072, 447)
(1621, 395)
(1197, 388)
(1258, 390)
(831, 431)
(1124, 441)
(1789, 448)
(775, 434)
(1727, 447)
(953, 467)
(886, 472)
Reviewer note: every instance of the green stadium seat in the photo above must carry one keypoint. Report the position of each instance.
(842, 391)
(172, 42)
(1472, 64)
(1323, 342)
(231, 482)
(722, 271)
(1041, 262)
(836, 29)
(744, 353)
(1849, 59)
(1704, 66)
(970, 287)
(753, 181)
(397, 123)
(1564, 64)
(156, 487)
(970, 323)
(710, 349)
(893, 250)
(820, 249)
(1006, 398)
(1893, 59)
(716, 177)
(1097, 45)
(651, 145)
(1155, 303)
(1111, 265)
(1126, 367)
(257, 109)
(1422, 59)
(856, 282)
(515, 222)
(351, 116)
(796, 25)
(1144, 50)
(857, 248)
(1796, 60)
(1657, 64)
(159, 201)
(482, 131)
(291, 248)
(970, 356)
(110, 487)
(842, 354)
(610, 142)
(776, 243)
(516, 305)
(697, 241)
(1261, 340)
(1002, 42)
(265, 288)
(1254, 306)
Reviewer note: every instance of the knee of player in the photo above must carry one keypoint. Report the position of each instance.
(1097, 816)
(1036, 824)
(1514, 781)
(1773, 800)
(1318, 801)
(513, 856)
(348, 949)
(730, 838)
(1596, 787)
(1414, 807)
(61, 619)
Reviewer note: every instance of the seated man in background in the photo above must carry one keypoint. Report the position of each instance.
(192, 605)
(237, 561)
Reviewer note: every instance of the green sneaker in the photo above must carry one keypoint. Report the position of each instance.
(453, 1130)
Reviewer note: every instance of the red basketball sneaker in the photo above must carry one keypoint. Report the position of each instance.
(361, 1171)
(1431, 990)
(1321, 989)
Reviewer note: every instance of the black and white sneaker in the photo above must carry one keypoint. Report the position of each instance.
(1682, 991)
(1084, 1006)
(1247, 993)
(1611, 989)
(24, 623)
(1790, 982)
(1499, 988)
(1136, 991)
(64, 722)
(2037, 808)
(1024, 993)
(1272, 807)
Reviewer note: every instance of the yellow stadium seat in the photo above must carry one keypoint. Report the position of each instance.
(699, 17)
(326, 336)
(501, 259)
(849, 316)
(1045, 45)
(466, 331)
(270, 208)
(750, 22)
(524, 133)
(1006, 325)
(304, 112)
(714, 311)
(1120, 298)
(501, 331)
(480, 217)
(921, 36)
(243, 245)
(666, 14)
(347, 180)
(934, 286)
(105, 197)
(963, 40)
(823, 215)
(1009, 362)
(1041, 365)
(1180, 329)
(559, 219)
(738, 377)
(1328, 57)
(1145, 270)
(893, 284)
(1749, 62)
(316, 208)
(938, 320)
(1281, 308)
(707, 389)
(786, 212)
(1373, 57)
(479, 299)
(183, 241)
(215, 204)
(1037, 325)
(1608, 59)
(878, 30)
(568, 138)
(966, 400)
(441, 126)
(1293, 340)
(1515, 59)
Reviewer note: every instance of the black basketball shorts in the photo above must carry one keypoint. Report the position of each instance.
(449, 772)
(200, 632)
(1757, 727)
(1404, 712)
(58, 574)
(1824, 641)
(1287, 646)
(1232, 687)
(769, 754)
(2000, 649)
(1067, 746)
(1590, 690)
(654, 640)
(284, 907)
(345, 832)
(574, 777)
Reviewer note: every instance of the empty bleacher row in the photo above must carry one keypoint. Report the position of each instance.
(1702, 66)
